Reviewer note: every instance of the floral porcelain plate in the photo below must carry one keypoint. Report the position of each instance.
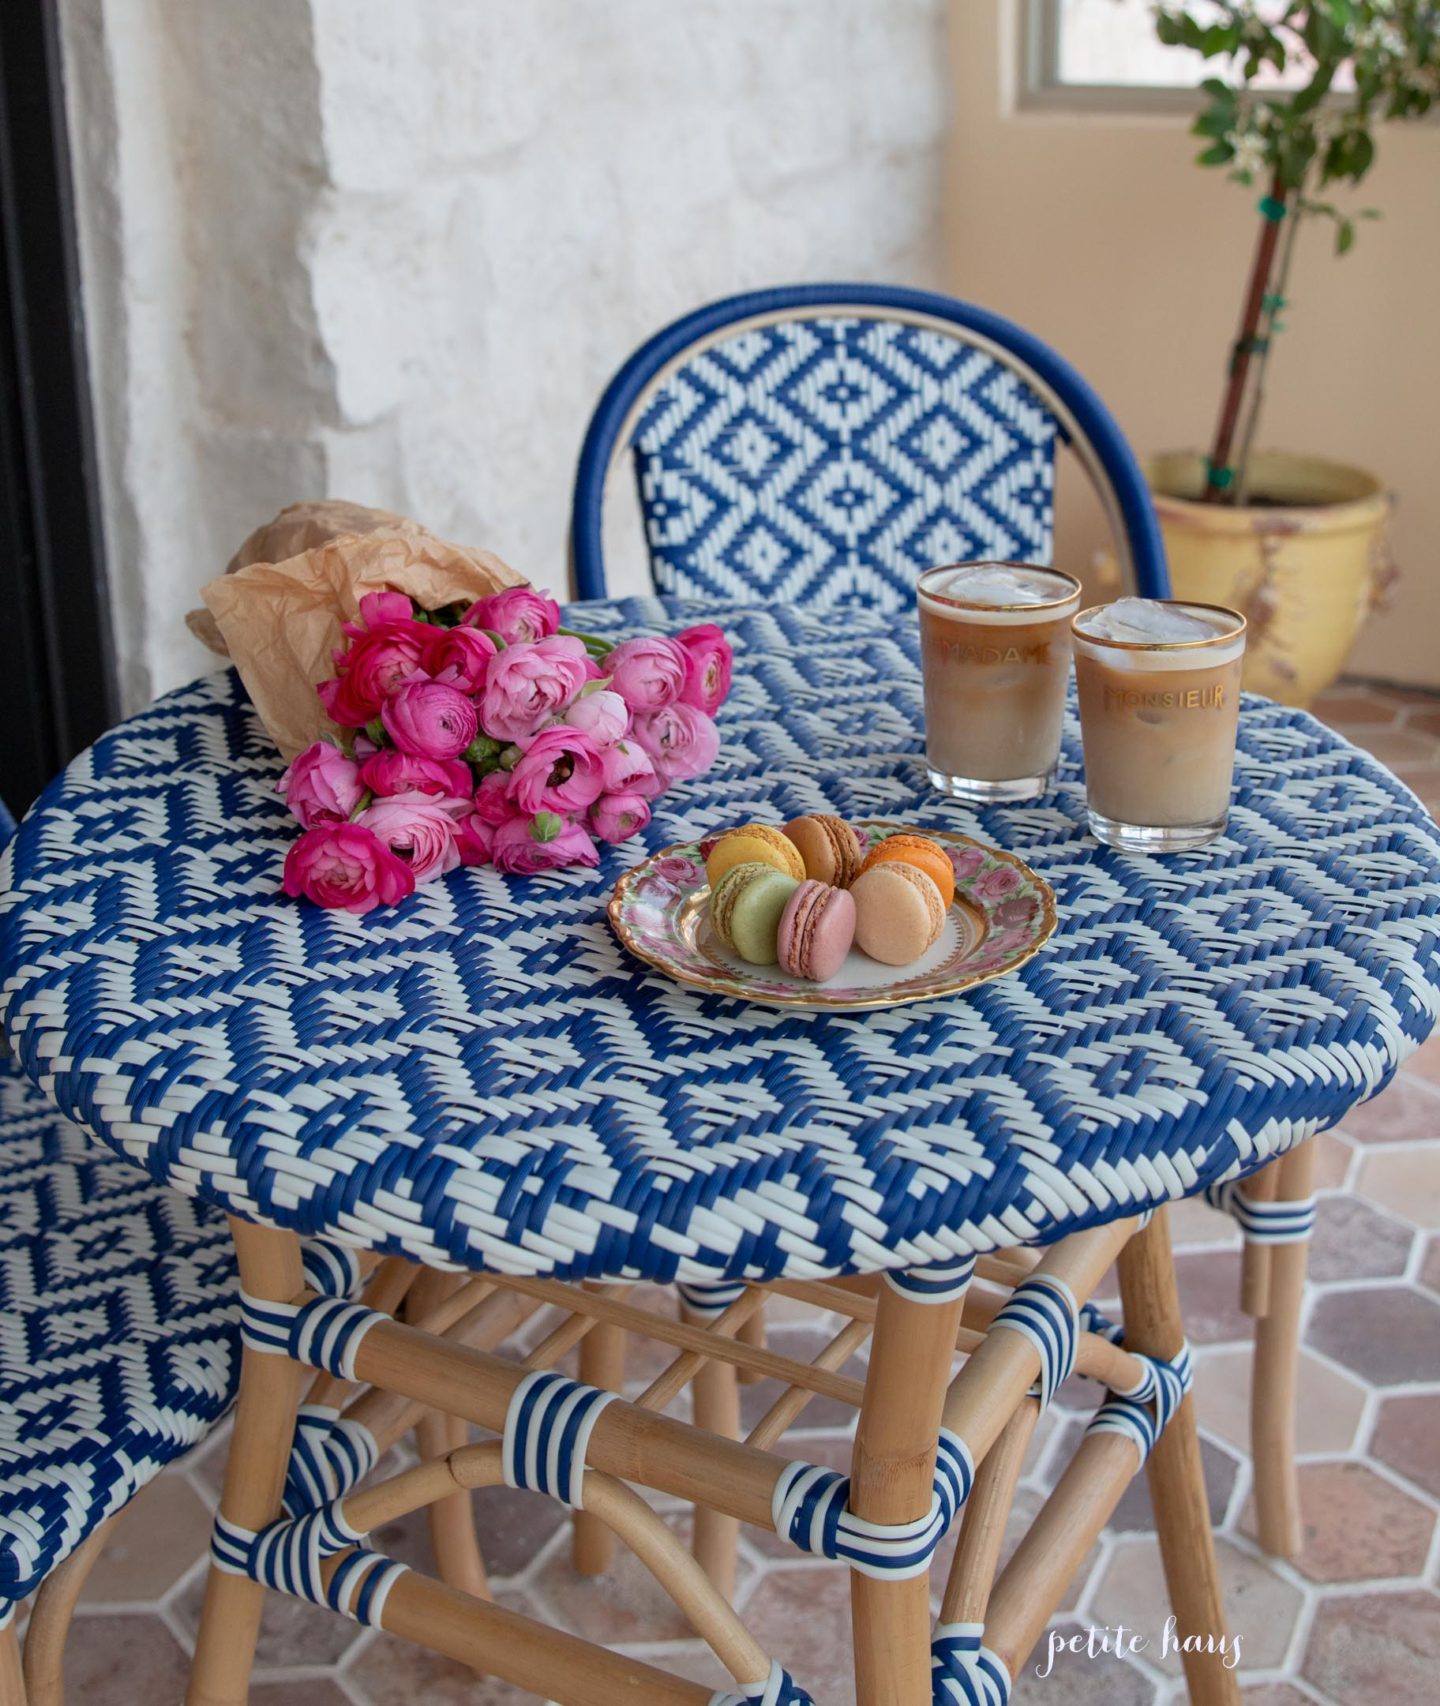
(1002, 914)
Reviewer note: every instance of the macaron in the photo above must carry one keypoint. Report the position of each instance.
(921, 852)
(898, 912)
(754, 843)
(746, 906)
(829, 847)
(816, 930)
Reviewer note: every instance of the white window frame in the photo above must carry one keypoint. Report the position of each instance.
(1040, 90)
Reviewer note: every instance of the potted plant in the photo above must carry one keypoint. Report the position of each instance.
(1296, 542)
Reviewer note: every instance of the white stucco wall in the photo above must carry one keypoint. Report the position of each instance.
(392, 252)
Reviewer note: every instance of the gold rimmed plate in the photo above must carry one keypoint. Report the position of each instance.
(1002, 915)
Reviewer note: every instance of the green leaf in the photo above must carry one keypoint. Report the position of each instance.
(597, 686)
(1217, 154)
(1344, 235)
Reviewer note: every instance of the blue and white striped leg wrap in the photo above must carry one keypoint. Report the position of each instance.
(811, 1509)
(330, 1269)
(1143, 1413)
(933, 1285)
(1043, 1310)
(547, 1430)
(325, 1333)
(778, 1689)
(711, 1301)
(963, 1672)
(287, 1555)
(328, 1457)
(1264, 1222)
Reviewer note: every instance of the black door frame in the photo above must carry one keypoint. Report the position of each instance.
(57, 672)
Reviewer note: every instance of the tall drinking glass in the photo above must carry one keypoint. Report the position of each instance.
(1159, 689)
(995, 651)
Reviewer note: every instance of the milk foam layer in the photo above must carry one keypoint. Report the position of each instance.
(983, 588)
(1155, 623)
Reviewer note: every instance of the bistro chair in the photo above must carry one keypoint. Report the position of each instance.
(821, 445)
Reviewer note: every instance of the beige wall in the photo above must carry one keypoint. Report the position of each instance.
(1099, 233)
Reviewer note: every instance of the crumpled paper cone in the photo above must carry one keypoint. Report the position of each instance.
(280, 621)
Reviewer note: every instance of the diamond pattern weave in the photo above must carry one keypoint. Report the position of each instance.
(481, 1075)
(827, 461)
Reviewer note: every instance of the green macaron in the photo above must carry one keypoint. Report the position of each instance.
(745, 908)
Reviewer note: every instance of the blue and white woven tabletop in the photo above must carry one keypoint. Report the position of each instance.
(482, 1077)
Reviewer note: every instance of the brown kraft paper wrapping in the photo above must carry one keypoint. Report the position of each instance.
(281, 621)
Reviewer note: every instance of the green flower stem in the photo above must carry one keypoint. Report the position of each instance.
(597, 646)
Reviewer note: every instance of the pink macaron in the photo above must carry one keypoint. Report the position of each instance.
(816, 930)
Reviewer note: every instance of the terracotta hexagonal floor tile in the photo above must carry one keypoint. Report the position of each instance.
(624, 1606)
(1407, 1438)
(1135, 1511)
(1334, 1154)
(1425, 1062)
(801, 1616)
(1376, 1647)
(1400, 749)
(1275, 1694)
(1344, 708)
(1209, 1283)
(1406, 1181)
(1357, 1526)
(1388, 1336)
(1430, 1267)
(117, 1661)
(1327, 1413)
(1069, 1675)
(311, 1692)
(1406, 1111)
(159, 1536)
(1194, 1223)
(1260, 1607)
(1354, 1240)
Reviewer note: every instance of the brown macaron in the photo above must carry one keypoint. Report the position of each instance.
(898, 913)
(829, 847)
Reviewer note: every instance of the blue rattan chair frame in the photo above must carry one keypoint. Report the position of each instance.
(1083, 421)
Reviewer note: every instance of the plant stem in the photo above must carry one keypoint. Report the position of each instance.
(1244, 346)
(1275, 301)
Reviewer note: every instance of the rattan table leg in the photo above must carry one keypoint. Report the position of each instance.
(1176, 1475)
(270, 1388)
(602, 1364)
(716, 1393)
(892, 1480)
(12, 1683)
(49, 1624)
(453, 1539)
(1273, 1379)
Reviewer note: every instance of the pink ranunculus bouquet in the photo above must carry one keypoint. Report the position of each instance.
(489, 734)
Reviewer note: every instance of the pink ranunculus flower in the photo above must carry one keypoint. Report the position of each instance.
(682, 742)
(616, 817)
(377, 608)
(459, 657)
(371, 670)
(322, 785)
(347, 866)
(519, 613)
(495, 798)
(475, 838)
(527, 685)
(629, 769)
(708, 663)
(389, 772)
(562, 770)
(647, 672)
(525, 846)
(603, 715)
(429, 719)
(419, 830)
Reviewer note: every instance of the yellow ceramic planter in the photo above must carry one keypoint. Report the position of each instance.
(1306, 568)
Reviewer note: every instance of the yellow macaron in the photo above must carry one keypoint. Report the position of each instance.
(758, 844)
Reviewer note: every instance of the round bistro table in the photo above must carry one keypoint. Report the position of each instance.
(480, 1079)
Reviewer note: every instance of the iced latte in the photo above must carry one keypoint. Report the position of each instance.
(995, 650)
(1159, 690)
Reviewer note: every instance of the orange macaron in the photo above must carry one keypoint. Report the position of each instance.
(921, 852)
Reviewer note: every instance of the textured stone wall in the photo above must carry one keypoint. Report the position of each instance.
(392, 252)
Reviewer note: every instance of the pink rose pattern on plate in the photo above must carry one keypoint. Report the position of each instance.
(1017, 907)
